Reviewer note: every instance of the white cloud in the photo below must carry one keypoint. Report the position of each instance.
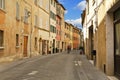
(75, 22)
(81, 5)
(66, 12)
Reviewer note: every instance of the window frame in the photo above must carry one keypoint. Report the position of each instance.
(35, 43)
(36, 20)
(17, 40)
(1, 39)
(40, 3)
(93, 2)
(35, 2)
(25, 15)
(88, 7)
(17, 11)
(51, 1)
(2, 5)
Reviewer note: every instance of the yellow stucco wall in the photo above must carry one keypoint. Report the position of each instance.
(12, 26)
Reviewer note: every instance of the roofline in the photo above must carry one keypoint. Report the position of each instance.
(57, 1)
(61, 5)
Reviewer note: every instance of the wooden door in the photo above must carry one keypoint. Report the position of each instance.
(25, 46)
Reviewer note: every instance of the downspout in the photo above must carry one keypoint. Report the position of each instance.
(96, 29)
(49, 21)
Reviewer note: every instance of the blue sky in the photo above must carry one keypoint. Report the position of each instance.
(74, 9)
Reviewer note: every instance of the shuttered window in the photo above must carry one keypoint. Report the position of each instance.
(17, 39)
(2, 4)
(17, 10)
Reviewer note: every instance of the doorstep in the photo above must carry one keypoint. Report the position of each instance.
(112, 78)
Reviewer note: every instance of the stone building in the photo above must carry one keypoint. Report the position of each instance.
(42, 29)
(21, 24)
(100, 22)
(62, 12)
(76, 38)
(71, 36)
(58, 27)
(53, 12)
(67, 35)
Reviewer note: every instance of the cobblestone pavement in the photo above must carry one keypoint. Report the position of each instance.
(59, 66)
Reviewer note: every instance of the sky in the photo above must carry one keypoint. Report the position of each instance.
(73, 11)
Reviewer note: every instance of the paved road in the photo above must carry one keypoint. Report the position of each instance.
(60, 66)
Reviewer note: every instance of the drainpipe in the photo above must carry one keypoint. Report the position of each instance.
(49, 30)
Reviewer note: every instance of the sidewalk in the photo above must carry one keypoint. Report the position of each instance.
(110, 77)
(87, 71)
(94, 72)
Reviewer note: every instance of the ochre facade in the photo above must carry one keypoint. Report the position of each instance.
(25, 29)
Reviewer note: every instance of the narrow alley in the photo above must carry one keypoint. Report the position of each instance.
(59, 66)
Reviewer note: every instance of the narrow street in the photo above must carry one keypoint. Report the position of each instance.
(59, 66)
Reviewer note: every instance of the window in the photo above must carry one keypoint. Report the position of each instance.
(17, 39)
(57, 32)
(1, 38)
(40, 2)
(47, 25)
(51, 1)
(65, 35)
(54, 29)
(65, 25)
(93, 2)
(57, 21)
(52, 15)
(35, 2)
(26, 16)
(60, 33)
(35, 42)
(117, 15)
(2, 4)
(41, 22)
(47, 7)
(88, 7)
(51, 28)
(63, 13)
(36, 20)
(17, 10)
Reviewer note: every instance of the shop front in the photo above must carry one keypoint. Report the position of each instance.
(117, 41)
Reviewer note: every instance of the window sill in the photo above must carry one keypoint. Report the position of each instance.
(1, 48)
(36, 26)
(26, 23)
(2, 10)
(17, 18)
(17, 46)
